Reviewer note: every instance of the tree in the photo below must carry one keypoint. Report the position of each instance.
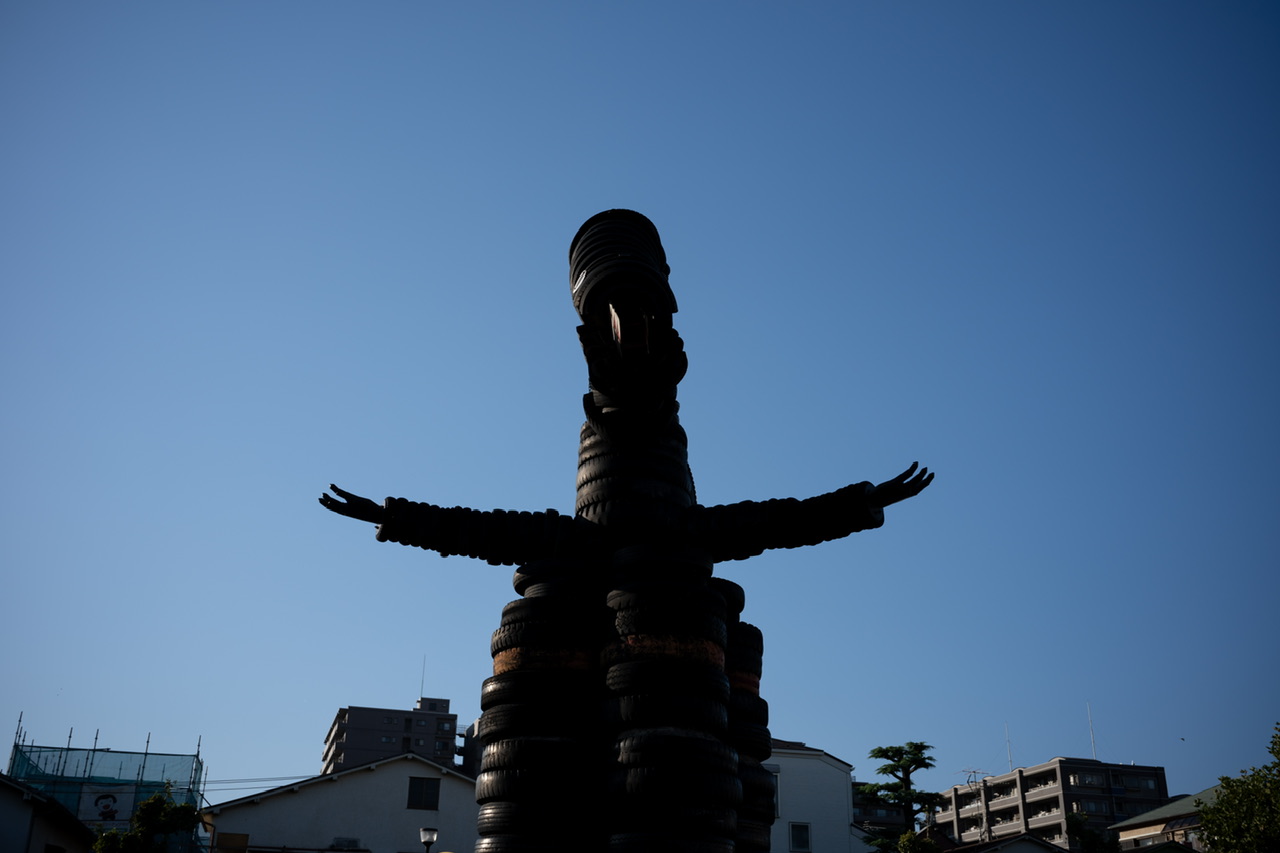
(1086, 839)
(1245, 818)
(910, 842)
(158, 825)
(900, 763)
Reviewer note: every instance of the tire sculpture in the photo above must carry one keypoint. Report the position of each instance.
(624, 710)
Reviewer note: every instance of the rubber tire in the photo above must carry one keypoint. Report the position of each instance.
(528, 719)
(542, 635)
(652, 842)
(677, 785)
(539, 819)
(748, 707)
(540, 785)
(754, 835)
(671, 746)
(676, 597)
(751, 740)
(759, 790)
(652, 710)
(745, 636)
(689, 677)
(735, 597)
(532, 686)
(535, 752)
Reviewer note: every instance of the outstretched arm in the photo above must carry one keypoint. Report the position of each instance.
(741, 530)
(497, 537)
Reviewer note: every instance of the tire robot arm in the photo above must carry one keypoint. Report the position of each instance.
(741, 530)
(499, 537)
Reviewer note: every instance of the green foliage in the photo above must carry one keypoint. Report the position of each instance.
(909, 842)
(900, 763)
(1086, 839)
(887, 845)
(158, 825)
(1245, 818)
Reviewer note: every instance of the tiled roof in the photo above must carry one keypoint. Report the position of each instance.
(1169, 811)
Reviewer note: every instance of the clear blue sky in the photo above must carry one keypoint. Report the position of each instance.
(249, 249)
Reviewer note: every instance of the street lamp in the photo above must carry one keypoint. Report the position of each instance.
(427, 835)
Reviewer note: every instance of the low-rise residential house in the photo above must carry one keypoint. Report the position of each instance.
(377, 807)
(1176, 821)
(814, 801)
(32, 821)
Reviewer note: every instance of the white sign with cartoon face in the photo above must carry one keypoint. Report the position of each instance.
(108, 805)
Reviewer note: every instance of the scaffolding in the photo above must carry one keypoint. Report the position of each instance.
(103, 786)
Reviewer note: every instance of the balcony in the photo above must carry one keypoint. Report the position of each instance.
(1050, 789)
(1004, 830)
(1041, 819)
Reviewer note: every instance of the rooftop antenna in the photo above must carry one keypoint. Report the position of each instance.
(1008, 746)
(422, 683)
(18, 732)
(1092, 743)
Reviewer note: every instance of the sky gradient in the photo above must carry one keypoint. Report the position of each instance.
(250, 249)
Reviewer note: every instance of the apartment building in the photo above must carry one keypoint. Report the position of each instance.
(1037, 800)
(361, 735)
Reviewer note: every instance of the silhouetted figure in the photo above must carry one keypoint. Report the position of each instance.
(620, 613)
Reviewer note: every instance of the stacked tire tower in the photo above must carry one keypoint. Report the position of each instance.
(624, 710)
(538, 788)
(639, 631)
(673, 769)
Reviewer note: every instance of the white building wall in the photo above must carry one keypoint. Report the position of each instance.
(366, 803)
(817, 789)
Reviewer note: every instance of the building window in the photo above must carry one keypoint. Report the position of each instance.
(441, 746)
(444, 726)
(424, 793)
(800, 837)
(388, 739)
(1091, 807)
